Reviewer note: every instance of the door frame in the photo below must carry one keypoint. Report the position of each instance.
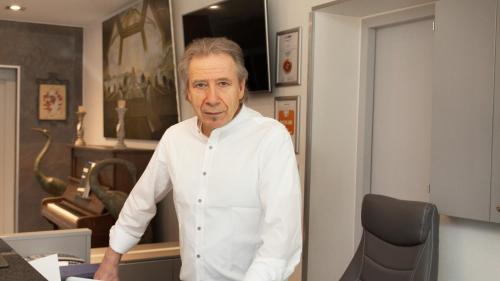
(17, 68)
(366, 94)
(362, 135)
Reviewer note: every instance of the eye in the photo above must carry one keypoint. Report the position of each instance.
(224, 83)
(199, 85)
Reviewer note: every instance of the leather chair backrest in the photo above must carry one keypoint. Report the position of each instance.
(399, 243)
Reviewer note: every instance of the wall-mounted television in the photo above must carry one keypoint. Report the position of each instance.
(243, 21)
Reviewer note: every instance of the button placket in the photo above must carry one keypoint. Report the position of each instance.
(202, 195)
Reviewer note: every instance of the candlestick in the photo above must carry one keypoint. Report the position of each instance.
(79, 127)
(122, 103)
(120, 127)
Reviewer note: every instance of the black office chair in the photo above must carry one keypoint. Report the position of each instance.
(400, 241)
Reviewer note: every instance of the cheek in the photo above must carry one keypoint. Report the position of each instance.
(195, 99)
(231, 98)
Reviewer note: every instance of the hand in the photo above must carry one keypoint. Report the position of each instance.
(108, 270)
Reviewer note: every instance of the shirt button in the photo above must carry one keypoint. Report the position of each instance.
(199, 228)
(199, 200)
(198, 256)
(204, 173)
(210, 147)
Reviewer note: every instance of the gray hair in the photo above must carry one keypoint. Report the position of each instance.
(209, 46)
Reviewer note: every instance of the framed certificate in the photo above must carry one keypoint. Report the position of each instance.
(288, 57)
(286, 111)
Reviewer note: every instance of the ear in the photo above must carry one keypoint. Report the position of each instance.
(241, 90)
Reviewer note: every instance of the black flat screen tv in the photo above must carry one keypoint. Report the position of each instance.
(243, 21)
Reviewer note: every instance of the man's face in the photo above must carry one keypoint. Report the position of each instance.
(214, 90)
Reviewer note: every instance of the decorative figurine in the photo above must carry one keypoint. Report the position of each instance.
(52, 185)
(79, 126)
(120, 127)
(113, 200)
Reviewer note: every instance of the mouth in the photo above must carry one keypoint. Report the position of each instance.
(212, 113)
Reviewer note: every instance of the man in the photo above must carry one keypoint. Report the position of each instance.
(234, 177)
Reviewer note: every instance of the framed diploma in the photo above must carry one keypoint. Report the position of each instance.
(288, 57)
(286, 111)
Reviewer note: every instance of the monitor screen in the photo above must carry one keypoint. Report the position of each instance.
(243, 21)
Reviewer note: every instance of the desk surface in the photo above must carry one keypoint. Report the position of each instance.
(18, 269)
(142, 252)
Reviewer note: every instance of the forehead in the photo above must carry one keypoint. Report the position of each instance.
(212, 66)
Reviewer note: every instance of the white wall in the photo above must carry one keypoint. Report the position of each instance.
(468, 250)
(333, 146)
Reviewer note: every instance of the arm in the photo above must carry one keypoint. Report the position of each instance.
(136, 213)
(279, 191)
(108, 270)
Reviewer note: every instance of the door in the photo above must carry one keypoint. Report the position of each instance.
(401, 144)
(7, 149)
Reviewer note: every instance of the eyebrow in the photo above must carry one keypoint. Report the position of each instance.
(205, 80)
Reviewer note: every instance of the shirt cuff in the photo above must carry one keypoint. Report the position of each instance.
(120, 241)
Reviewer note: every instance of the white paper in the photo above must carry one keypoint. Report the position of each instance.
(48, 267)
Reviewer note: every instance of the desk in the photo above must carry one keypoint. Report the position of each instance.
(157, 261)
(19, 269)
(142, 252)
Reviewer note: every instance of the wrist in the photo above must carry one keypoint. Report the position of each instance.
(112, 257)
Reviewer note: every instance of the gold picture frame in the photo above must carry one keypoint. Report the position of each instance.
(52, 99)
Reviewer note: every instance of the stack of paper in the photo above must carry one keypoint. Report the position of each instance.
(48, 267)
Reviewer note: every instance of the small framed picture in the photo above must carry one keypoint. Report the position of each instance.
(52, 99)
(288, 57)
(286, 111)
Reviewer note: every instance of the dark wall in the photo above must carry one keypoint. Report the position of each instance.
(39, 49)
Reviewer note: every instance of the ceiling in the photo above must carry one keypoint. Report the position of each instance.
(63, 12)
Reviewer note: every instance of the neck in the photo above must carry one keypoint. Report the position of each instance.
(205, 131)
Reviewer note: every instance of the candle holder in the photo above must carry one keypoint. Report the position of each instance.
(80, 129)
(120, 127)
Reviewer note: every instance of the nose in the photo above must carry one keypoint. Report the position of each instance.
(212, 97)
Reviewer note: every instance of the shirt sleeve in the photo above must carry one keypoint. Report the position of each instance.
(280, 195)
(140, 206)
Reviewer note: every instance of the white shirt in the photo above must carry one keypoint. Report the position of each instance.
(237, 198)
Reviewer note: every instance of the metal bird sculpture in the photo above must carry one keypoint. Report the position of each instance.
(113, 200)
(52, 185)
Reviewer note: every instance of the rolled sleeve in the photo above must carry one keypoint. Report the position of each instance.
(120, 241)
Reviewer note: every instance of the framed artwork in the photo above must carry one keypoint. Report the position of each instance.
(286, 111)
(288, 57)
(52, 99)
(139, 68)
